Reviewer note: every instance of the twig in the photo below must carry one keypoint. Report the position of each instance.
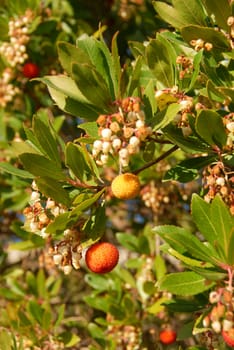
(157, 160)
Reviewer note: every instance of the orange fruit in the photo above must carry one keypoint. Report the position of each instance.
(228, 337)
(102, 257)
(167, 336)
(125, 186)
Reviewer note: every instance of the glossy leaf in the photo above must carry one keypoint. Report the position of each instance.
(45, 136)
(9, 168)
(75, 160)
(224, 225)
(216, 38)
(188, 169)
(184, 283)
(92, 85)
(39, 165)
(181, 240)
(220, 9)
(160, 58)
(181, 13)
(215, 134)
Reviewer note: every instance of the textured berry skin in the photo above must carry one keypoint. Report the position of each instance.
(167, 336)
(125, 186)
(30, 70)
(102, 257)
(228, 337)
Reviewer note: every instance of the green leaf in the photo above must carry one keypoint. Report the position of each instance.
(181, 13)
(39, 165)
(5, 340)
(35, 310)
(196, 69)
(41, 280)
(160, 266)
(183, 305)
(53, 189)
(98, 282)
(47, 320)
(84, 205)
(195, 32)
(160, 57)
(213, 93)
(69, 98)
(60, 224)
(224, 226)
(69, 339)
(182, 240)
(215, 134)
(90, 128)
(135, 76)
(166, 116)
(69, 54)
(60, 316)
(102, 60)
(45, 136)
(220, 9)
(11, 169)
(92, 85)
(75, 160)
(184, 283)
(128, 241)
(188, 169)
(201, 213)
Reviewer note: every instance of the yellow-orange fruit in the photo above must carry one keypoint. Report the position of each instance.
(102, 257)
(125, 186)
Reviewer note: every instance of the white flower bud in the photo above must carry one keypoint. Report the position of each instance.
(123, 153)
(216, 325)
(186, 104)
(55, 211)
(227, 324)
(50, 204)
(214, 297)
(35, 196)
(186, 130)
(67, 269)
(97, 145)
(134, 141)
(68, 233)
(104, 158)
(124, 161)
(106, 134)
(33, 226)
(116, 144)
(44, 234)
(57, 259)
(230, 126)
(220, 181)
(141, 115)
(43, 218)
(106, 146)
(140, 124)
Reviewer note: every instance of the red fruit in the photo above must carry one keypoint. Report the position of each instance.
(167, 336)
(102, 257)
(30, 70)
(228, 337)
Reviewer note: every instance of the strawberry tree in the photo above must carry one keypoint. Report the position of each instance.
(153, 140)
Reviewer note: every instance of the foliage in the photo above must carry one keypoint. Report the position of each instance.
(158, 104)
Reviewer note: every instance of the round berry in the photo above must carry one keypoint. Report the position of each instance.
(167, 336)
(228, 337)
(102, 257)
(125, 186)
(30, 70)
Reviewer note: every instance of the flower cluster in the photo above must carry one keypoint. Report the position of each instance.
(185, 65)
(229, 125)
(7, 89)
(66, 254)
(121, 133)
(221, 316)
(218, 179)
(128, 337)
(230, 23)
(199, 44)
(15, 50)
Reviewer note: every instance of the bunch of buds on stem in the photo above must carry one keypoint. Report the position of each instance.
(199, 44)
(228, 121)
(220, 318)
(121, 133)
(68, 252)
(218, 179)
(15, 49)
(7, 89)
(185, 66)
(40, 213)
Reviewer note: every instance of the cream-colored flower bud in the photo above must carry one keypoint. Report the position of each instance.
(67, 269)
(35, 196)
(230, 126)
(134, 141)
(220, 181)
(106, 146)
(123, 153)
(140, 124)
(57, 259)
(216, 325)
(104, 158)
(97, 145)
(106, 134)
(116, 144)
(33, 226)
